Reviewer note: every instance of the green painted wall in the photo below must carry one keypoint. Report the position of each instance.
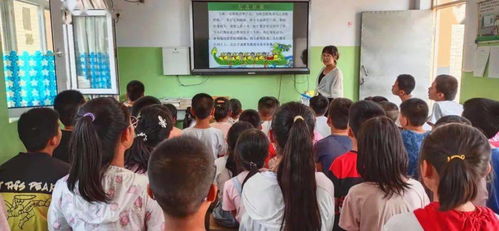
(472, 87)
(145, 64)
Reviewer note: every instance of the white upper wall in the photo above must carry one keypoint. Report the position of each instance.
(166, 23)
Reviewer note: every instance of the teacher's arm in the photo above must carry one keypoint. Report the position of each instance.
(337, 85)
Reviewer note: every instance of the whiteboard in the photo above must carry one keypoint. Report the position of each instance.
(394, 43)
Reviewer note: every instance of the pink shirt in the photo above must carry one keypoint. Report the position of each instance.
(232, 197)
(224, 126)
(175, 132)
(4, 225)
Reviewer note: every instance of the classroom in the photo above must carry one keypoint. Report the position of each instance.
(249, 115)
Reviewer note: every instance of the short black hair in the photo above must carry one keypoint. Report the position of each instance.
(362, 111)
(173, 110)
(376, 99)
(66, 103)
(406, 83)
(319, 104)
(134, 90)
(181, 171)
(452, 119)
(483, 114)
(338, 112)
(222, 108)
(202, 104)
(143, 102)
(391, 110)
(36, 127)
(235, 107)
(267, 105)
(447, 85)
(415, 110)
(251, 116)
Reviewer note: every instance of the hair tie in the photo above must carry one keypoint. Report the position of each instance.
(162, 122)
(298, 117)
(252, 165)
(90, 114)
(449, 158)
(142, 135)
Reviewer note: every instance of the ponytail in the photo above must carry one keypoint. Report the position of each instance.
(458, 184)
(254, 169)
(293, 125)
(99, 126)
(251, 151)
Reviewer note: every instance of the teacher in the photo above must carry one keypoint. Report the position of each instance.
(330, 81)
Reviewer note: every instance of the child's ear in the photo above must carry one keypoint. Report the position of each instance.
(441, 96)
(329, 121)
(127, 136)
(489, 169)
(403, 121)
(149, 191)
(212, 194)
(56, 140)
(350, 132)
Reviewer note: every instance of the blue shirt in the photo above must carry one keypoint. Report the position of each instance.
(412, 143)
(327, 149)
(493, 202)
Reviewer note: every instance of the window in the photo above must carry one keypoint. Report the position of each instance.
(29, 67)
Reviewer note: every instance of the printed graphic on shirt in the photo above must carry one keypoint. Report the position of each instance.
(27, 211)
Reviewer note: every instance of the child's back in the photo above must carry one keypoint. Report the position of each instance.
(211, 137)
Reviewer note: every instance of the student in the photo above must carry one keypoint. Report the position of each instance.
(377, 99)
(343, 169)
(153, 126)
(267, 106)
(295, 197)
(222, 115)
(251, 151)
(391, 110)
(443, 90)
(143, 102)
(188, 119)
(181, 175)
(66, 103)
(452, 119)
(338, 142)
(134, 90)
(226, 169)
(173, 112)
(451, 167)
(251, 116)
(319, 105)
(403, 86)
(413, 116)
(386, 190)
(202, 109)
(27, 179)
(99, 193)
(236, 109)
(484, 115)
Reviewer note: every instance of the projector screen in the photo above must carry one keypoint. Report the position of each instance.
(250, 37)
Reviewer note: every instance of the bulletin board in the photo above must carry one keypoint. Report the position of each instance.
(488, 16)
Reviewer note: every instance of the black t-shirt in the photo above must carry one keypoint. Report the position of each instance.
(62, 152)
(26, 184)
(321, 76)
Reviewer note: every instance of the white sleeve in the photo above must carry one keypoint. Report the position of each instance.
(405, 221)
(154, 215)
(55, 217)
(337, 85)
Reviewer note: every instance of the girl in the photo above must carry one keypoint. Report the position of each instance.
(154, 124)
(222, 115)
(296, 197)
(451, 167)
(330, 81)
(382, 163)
(99, 193)
(236, 108)
(251, 151)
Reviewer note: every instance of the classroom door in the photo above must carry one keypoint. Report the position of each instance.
(393, 43)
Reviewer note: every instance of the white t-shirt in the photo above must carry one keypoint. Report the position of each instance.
(262, 199)
(322, 127)
(266, 125)
(404, 221)
(445, 108)
(355, 216)
(222, 174)
(211, 137)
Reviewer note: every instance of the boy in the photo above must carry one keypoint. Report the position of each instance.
(413, 116)
(203, 109)
(66, 104)
(443, 90)
(391, 110)
(181, 173)
(338, 142)
(173, 111)
(251, 116)
(403, 87)
(236, 108)
(134, 90)
(319, 106)
(344, 168)
(267, 106)
(27, 180)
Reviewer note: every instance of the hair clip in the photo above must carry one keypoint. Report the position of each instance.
(449, 158)
(162, 122)
(90, 114)
(142, 135)
(297, 118)
(252, 165)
